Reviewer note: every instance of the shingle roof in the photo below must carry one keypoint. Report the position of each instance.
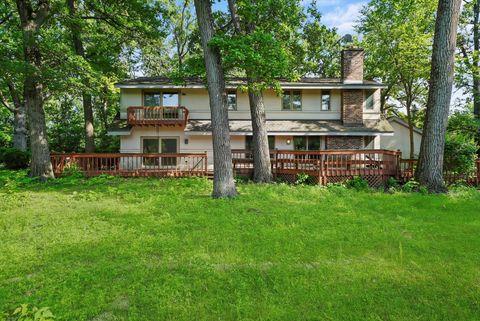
(159, 82)
(319, 127)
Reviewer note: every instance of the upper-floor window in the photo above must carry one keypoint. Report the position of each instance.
(232, 100)
(161, 99)
(292, 100)
(369, 99)
(326, 97)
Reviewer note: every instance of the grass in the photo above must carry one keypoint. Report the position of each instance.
(150, 249)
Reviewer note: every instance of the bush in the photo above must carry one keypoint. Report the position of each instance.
(27, 313)
(460, 153)
(302, 179)
(358, 183)
(14, 158)
(411, 186)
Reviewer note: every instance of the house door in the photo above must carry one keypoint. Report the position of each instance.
(169, 146)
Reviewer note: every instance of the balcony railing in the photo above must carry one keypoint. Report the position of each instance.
(157, 116)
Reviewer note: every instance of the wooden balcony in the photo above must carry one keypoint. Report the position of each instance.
(157, 116)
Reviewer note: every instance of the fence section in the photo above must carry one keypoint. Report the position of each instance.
(471, 178)
(156, 165)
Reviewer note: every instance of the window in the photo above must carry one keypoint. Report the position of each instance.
(292, 100)
(232, 100)
(249, 142)
(170, 99)
(325, 100)
(161, 99)
(369, 99)
(160, 145)
(150, 146)
(307, 142)
(151, 99)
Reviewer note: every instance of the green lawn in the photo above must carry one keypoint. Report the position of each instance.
(150, 249)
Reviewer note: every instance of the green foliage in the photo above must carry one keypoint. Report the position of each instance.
(302, 179)
(357, 183)
(319, 47)
(460, 153)
(73, 171)
(462, 122)
(27, 313)
(411, 186)
(392, 182)
(397, 36)
(14, 158)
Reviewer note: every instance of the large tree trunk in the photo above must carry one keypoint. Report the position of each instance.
(430, 163)
(476, 60)
(261, 152)
(262, 169)
(86, 97)
(31, 21)
(20, 118)
(223, 182)
(20, 128)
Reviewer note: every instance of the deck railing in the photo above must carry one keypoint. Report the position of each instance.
(329, 166)
(156, 165)
(325, 165)
(157, 116)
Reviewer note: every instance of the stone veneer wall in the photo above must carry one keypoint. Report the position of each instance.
(352, 107)
(344, 142)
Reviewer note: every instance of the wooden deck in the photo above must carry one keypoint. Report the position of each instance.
(323, 167)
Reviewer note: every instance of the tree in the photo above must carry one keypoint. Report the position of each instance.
(397, 38)
(31, 21)
(468, 59)
(319, 47)
(430, 163)
(259, 48)
(77, 42)
(223, 182)
(11, 80)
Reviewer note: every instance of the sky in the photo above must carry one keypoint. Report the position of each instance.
(341, 14)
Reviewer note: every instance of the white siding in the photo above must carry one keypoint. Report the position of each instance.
(197, 102)
(401, 140)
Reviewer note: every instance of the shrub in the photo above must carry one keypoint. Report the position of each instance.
(73, 171)
(392, 182)
(302, 179)
(15, 159)
(27, 313)
(460, 153)
(358, 183)
(411, 186)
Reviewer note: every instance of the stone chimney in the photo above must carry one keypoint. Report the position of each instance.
(352, 99)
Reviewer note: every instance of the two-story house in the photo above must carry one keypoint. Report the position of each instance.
(157, 116)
